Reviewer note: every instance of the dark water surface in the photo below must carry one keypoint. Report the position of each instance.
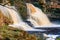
(56, 31)
(55, 21)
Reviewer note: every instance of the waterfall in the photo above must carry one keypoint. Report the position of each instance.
(4, 11)
(10, 13)
(14, 15)
(18, 23)
(37, 15)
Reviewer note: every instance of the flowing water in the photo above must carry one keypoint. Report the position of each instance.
(8, 12)
(18, 22)
(14, 15)
(4, 11)
(11, 13)
(37, 15)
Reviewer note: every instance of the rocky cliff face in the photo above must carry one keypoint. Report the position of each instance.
(4, 20)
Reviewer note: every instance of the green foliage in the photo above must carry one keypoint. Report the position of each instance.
(58, 39)
(21, 7)
(10, 33)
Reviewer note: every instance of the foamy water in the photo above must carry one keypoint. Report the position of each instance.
(4, 11)
(14, 15)
(37, 15)
(18, 23)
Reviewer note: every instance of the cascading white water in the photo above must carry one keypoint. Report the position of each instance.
(37, 15)
(18, 23)
(14, 15)
(8, 12)
(4, 11)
